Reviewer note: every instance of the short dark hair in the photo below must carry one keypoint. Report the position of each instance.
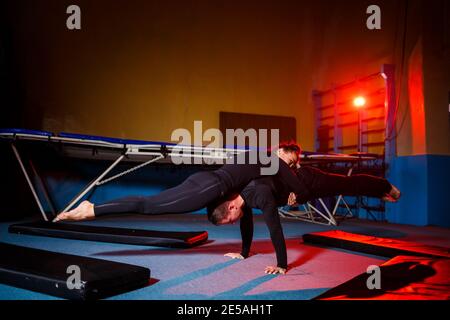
(290, 146)
(217, 211)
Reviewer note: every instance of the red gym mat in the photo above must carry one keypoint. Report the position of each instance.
(374, 245)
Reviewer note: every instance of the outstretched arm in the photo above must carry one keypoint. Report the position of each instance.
(266, 202)
(246, 227)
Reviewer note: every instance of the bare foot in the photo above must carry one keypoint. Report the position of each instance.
(393, 195)
(85, 211)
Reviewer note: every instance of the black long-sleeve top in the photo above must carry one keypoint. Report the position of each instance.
(265, 193)
(262, 194)
(236, 177)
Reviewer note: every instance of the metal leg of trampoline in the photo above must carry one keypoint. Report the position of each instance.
(307, 216)
(43, 188)
(30, 184)
(92, 184)
(328, 215)
(98, 181)
(340, 198)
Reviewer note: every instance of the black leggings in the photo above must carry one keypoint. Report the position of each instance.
(322, 184)
(193, 194)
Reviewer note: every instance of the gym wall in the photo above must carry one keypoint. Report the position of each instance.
(140, 69)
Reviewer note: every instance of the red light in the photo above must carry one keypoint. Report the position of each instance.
(359, 102)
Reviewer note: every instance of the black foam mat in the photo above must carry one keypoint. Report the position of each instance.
(108, 234)
(67, 276)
